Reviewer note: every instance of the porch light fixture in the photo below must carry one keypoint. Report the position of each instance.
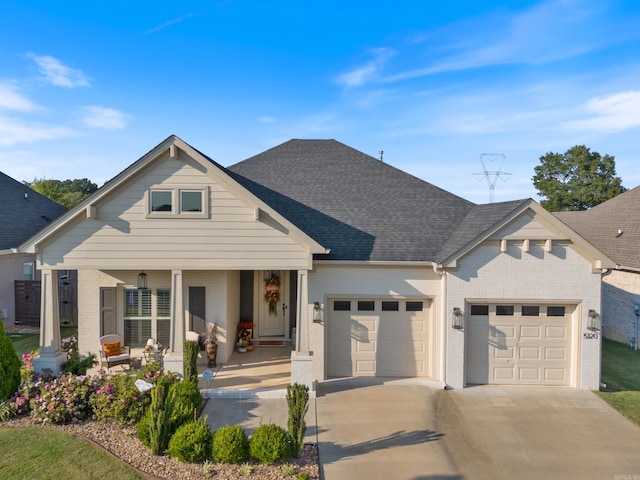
(593, 323)
(142, 280)
(457, 319)
(317, 312)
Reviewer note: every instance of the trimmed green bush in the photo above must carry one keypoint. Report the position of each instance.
(9, 366)
(298, 403)
(160, 411)
(190, 359)
(143, 429)
(270, 443)
(191, 442)
(230, 445)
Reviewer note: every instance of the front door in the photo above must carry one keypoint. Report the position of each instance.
(271, 305)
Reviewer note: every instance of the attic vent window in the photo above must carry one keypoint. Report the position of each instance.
(178, 202)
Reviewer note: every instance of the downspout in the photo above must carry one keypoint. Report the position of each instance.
(438, 269)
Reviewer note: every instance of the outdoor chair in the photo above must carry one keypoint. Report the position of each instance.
(112, 352)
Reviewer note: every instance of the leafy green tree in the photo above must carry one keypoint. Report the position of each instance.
(9, 366)
(67, 193)
(576, 180)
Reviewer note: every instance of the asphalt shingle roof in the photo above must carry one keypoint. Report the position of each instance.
(358, 206)
(23, 212)
(600, 224)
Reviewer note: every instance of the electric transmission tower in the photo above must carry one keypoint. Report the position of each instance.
(492, 170)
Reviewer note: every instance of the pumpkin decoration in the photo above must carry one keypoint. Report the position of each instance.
(272, 292)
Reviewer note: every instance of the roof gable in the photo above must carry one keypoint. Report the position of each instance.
(357, 206)
(612, 226)
(24, 212)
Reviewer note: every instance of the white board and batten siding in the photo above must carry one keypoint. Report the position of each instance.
(122, 235)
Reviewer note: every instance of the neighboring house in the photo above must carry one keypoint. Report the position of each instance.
(22, 213)
(614, 228)
(366, 268)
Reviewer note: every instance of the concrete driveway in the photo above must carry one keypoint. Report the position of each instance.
(411, 430)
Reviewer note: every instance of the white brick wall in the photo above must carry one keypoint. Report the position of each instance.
(620, 290)
(517, 275)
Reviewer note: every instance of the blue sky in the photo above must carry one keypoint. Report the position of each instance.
(86, 88)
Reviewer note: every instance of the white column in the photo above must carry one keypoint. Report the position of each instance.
(302, 358)
(174, 360)
(50, 355)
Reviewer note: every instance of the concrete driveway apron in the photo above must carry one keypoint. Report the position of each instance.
(371, 430)
(526, 433)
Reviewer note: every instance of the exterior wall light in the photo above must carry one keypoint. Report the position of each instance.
(317, 312)
(457, 319)
(142, 280)
(593, 323)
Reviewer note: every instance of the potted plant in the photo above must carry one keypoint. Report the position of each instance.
(244, 336)
(211, 344)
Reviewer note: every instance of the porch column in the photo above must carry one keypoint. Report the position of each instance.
(51, 357)
(302, 358)
(173, 361)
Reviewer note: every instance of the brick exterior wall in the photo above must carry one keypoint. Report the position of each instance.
(620, 290)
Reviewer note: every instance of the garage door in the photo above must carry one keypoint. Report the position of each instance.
(519, 344)
(378, 337)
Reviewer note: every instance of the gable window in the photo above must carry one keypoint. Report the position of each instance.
(190, 201)
(161, 201)
(147, 314)
(178, 202)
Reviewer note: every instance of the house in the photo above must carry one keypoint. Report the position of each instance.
(24, 212)
(614, 228)
(368, 270)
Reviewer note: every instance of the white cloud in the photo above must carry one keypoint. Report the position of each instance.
(14, 132)
(12, 99)
(267, 119)
(365, 73)
(58, 74)
(611, 113)
(169, 23)
(96, 116)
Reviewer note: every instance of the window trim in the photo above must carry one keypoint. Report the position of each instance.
(176, 202)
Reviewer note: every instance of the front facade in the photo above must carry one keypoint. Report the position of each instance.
(368, 264)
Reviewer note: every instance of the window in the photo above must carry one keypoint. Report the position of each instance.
(555, 311)
(390, 306)
(504, 310)
(414, 306)
(342, 306)
(147, 314)
(366, 305)
(479, 309)
(28, 271)
(161, 201)
(530, 310)
(190, 201)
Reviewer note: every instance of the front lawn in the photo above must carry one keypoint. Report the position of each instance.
(28, 342)
(621, 374)
(38, 453)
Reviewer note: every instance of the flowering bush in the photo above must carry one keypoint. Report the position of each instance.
(29, 389)
(26, 370)
(64, 399)
(69, 344)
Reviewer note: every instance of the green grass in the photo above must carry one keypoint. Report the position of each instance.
(28, 342)
(40, 453)
(621, 373)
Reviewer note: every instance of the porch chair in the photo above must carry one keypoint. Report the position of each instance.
(112, 352)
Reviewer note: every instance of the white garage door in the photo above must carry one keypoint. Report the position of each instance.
(378, 337)
(519, 344)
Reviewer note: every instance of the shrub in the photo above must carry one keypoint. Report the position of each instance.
(117, 397)
(191, 442)
(9, 366)
(26, 370)
(6, 410)
(77, 364)
(270, 443)
(190, 359)
(298, 403)
(143, 430)
(160, 412)
(64, 399)
(186, 399)
(230, 445)
(28, 390)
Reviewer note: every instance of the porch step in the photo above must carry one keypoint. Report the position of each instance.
(272, 343)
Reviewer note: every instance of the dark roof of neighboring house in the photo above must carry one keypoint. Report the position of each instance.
(360, 207)
(23, 212)
(601, 224)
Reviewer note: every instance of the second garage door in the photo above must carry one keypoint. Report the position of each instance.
(519, 344)
(378, 337)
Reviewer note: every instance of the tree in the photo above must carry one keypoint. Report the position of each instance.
(576, 180)
(67, 193)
